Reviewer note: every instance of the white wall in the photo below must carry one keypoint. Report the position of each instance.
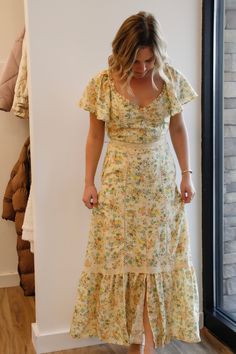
(13, 132)
(68, 43)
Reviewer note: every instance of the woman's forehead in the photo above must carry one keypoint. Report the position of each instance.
(144, 53)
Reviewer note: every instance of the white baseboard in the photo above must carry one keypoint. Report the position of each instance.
(8, 280)
(52, 342)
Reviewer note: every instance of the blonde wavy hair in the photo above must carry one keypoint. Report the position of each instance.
(136, 32)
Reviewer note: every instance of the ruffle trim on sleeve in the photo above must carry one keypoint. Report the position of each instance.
(96, 97)
(180, 91)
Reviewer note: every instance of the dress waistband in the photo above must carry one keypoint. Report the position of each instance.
(141, 146)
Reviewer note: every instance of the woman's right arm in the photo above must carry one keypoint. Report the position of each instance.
(94, 145)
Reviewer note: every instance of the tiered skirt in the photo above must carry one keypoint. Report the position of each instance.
(138, 233)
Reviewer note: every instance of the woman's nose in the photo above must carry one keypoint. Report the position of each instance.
(142, 67)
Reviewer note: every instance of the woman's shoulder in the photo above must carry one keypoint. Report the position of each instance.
(172, 72)
(101, 75)
(175, 75)
(182, 87)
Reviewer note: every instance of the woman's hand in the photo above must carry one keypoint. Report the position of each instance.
(90, 197)
(187, 189)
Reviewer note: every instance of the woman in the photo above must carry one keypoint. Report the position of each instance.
(138, 281)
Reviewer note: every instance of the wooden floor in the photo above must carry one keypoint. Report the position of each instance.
(17, 312)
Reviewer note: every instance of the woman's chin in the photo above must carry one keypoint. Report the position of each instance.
(140, 76)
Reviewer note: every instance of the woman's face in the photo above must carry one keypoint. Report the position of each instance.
(144, 62)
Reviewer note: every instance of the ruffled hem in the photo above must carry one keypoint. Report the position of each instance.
(110, 307)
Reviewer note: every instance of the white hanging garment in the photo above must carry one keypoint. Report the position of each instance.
(28, 224)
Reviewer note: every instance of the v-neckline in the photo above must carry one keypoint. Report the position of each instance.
(133, 103)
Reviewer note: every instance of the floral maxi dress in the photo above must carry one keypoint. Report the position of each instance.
(138, 233)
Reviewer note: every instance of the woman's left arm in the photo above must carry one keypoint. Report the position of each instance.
(179, 138)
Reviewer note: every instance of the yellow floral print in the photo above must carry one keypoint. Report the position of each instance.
(139, 231)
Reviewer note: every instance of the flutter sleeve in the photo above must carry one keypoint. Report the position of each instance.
(96, 96)
(180, 91)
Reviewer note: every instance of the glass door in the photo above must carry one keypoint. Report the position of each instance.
(219, 168)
